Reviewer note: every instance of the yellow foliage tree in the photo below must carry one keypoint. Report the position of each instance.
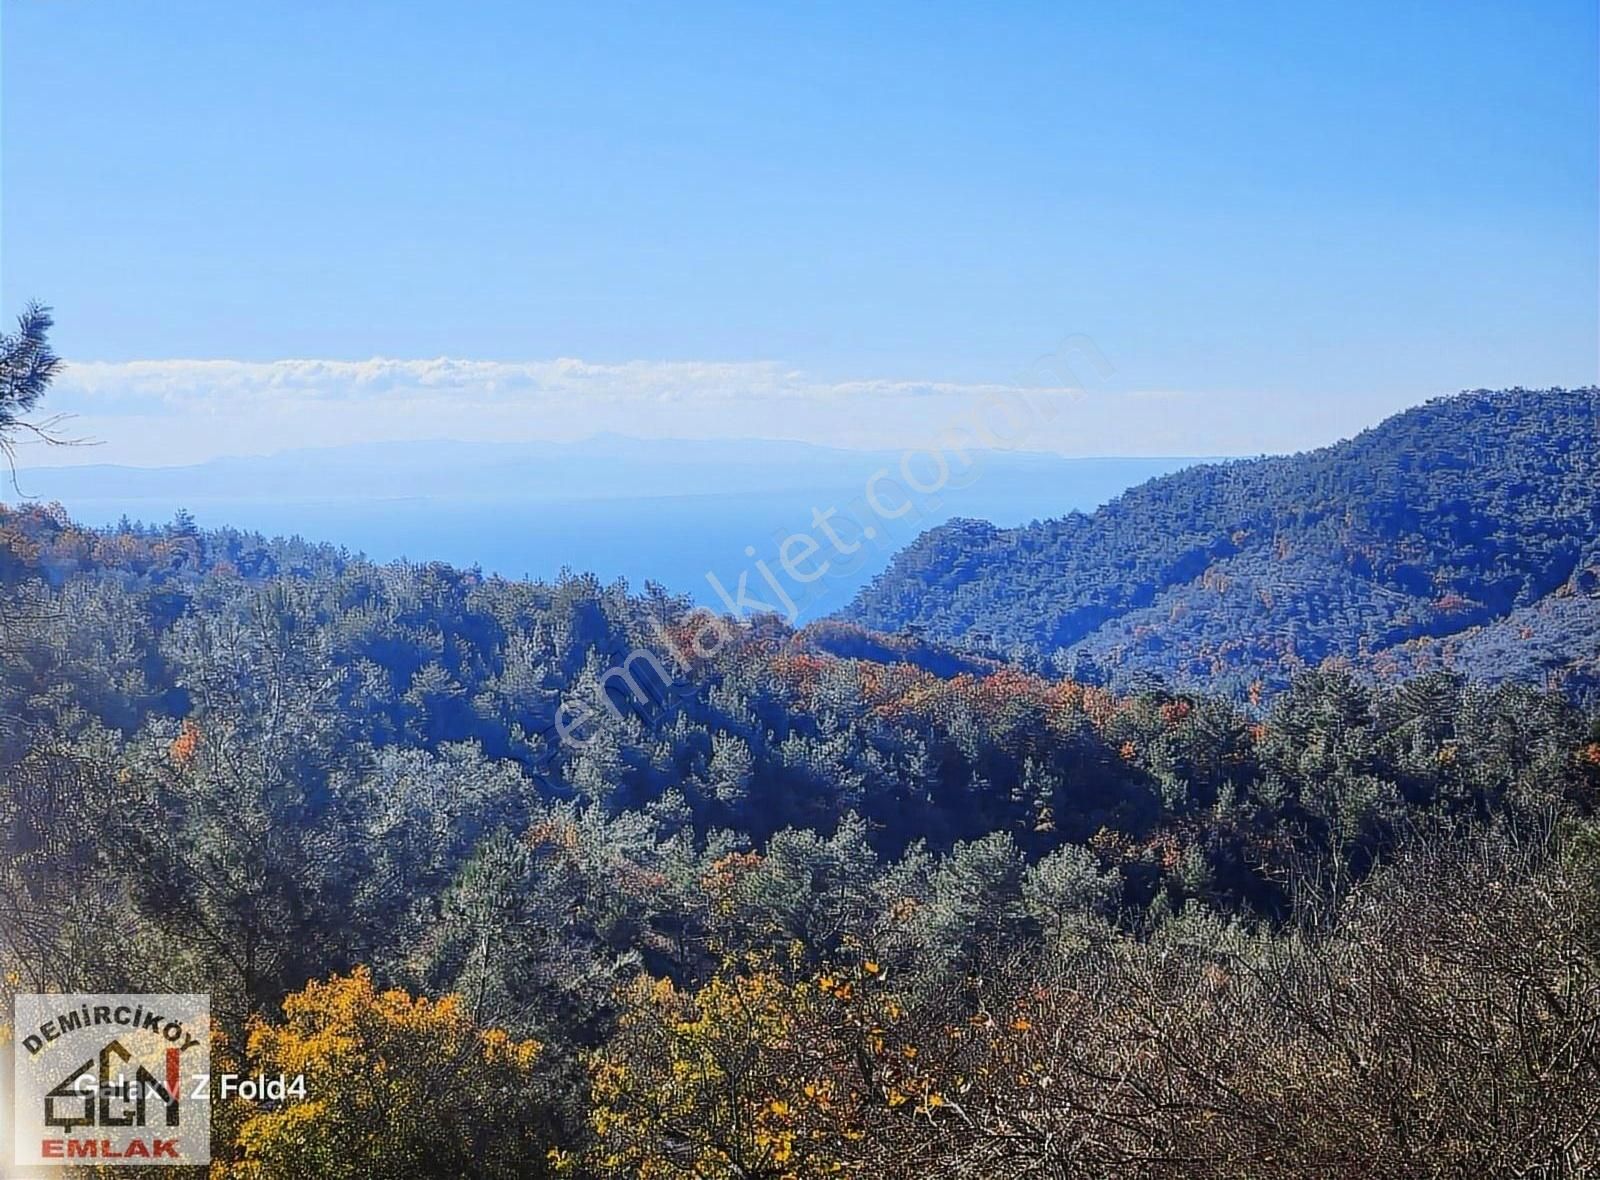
(721, 1082)
(394, 1087)
(754, 1075)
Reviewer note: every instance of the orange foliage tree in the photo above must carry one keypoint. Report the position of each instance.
(394, 1087)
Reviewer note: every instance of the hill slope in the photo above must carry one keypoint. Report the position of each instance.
(1443, 536)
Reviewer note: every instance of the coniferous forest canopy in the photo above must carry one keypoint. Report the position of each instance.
(1244, 828)
(1460, 535)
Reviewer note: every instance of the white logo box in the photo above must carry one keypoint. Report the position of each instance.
(110, 1079)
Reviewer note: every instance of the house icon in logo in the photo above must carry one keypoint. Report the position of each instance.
(103, 1093)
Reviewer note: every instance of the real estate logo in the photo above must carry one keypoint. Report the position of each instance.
(112, 1079)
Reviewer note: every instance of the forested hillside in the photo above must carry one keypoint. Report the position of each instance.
(555, 879)
(896, 911)
(1463, 534)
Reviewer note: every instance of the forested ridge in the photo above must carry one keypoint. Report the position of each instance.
(1462, 534)
(826, 902)
(804, 913)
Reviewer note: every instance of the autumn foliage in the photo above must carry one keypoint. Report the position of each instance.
(396, 1086)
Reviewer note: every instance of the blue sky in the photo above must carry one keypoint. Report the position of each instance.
(1296, 217)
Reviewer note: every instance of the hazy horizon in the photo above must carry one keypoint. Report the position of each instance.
(612, 505)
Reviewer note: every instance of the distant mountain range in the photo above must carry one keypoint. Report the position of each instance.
(605, 466)
(667, 510)
(1464, 533)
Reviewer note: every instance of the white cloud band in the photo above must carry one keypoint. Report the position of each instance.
(158, 412)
